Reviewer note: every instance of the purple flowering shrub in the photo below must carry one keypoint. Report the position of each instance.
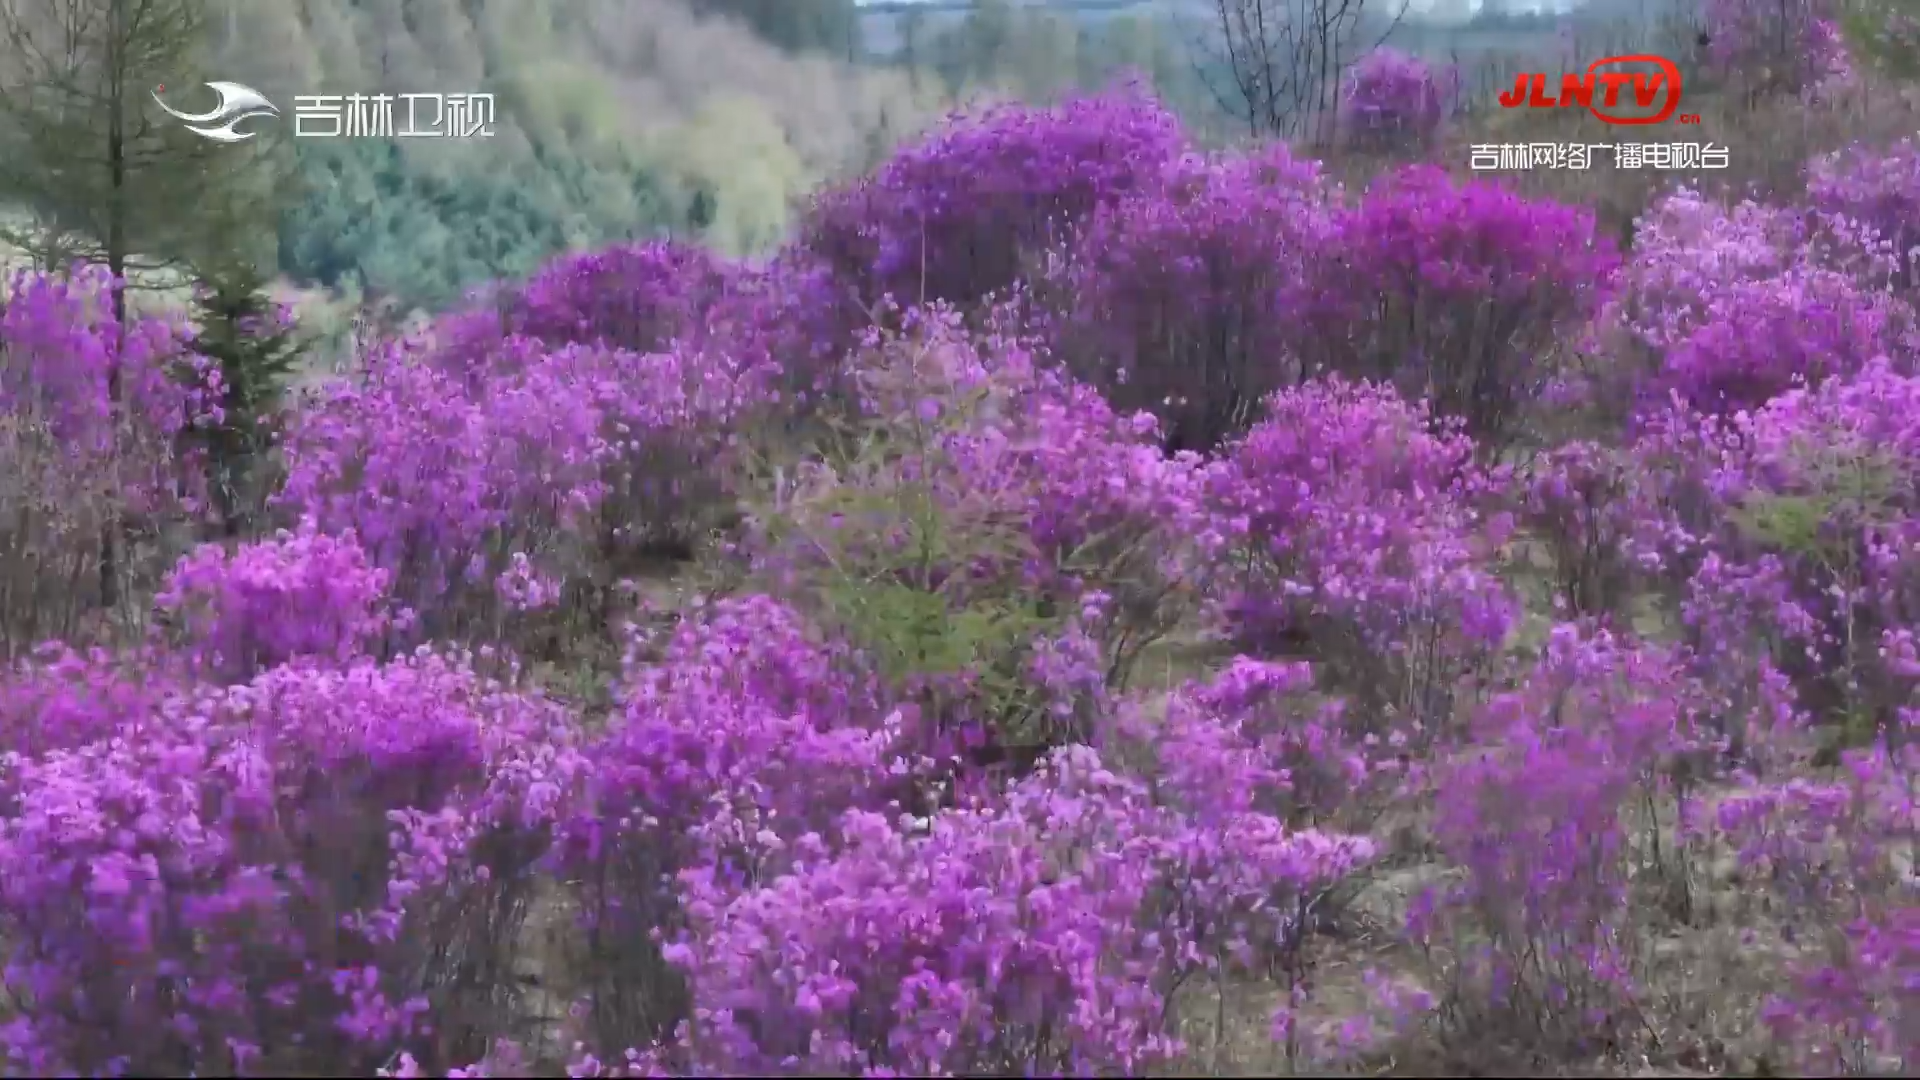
(1394, 101)
(781, 328)
(995, 535)
(670, 350)
(1537, 936)
(639, 297)
(89, 420)
(61, 698)
(1759, 339)
(1591, 507)
(1355, 534)
(1879, 187)
(260, 877)
(442, 482)
(717, 339)
(299, 594)
(790, 324)
(1016, 917)
(959, 215)
(561, 462)
(1077, 884)
(1009, 917)
(1835, 849)
(1723, 309)
(1787, 45)
(1458, 293)
(734, 737)
(1810, 554)
(1183, 300)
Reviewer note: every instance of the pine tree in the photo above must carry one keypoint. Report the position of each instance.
(244, 331)
(86, 151)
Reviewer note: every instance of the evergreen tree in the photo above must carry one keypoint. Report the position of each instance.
(107, 177)
(248, 336)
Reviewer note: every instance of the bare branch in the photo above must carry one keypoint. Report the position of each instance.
(1276, 65)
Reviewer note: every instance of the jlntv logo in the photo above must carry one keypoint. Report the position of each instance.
(1656, 85)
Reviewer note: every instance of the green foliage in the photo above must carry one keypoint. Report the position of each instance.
(1841, 492)
(377, 220)
(1844, 493)
(830, 26)
(732, 175)
(242, 329)
(81, 150)
(922, 580)
(1886, 33)
(1038, 54)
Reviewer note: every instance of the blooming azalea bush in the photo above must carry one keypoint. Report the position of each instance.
(1759, 339)
(1356, 534)
(1055, 881)
(997, 533)
(1877, 187)
(441, 481)
(1461, 293)
(299, 594)
(62, 698)
(1851, 1010)
(575, 457)
(1185, 300)
(744, 735)
(1391, 100)
(1786, 45)
(1815, 501)
(640, 297)
(90, 419)
(1724, 308)
(1538, 931)
(263, 871)
(1592, 506)
(958, 216)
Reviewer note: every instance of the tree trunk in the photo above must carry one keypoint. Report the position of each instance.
(117, 266)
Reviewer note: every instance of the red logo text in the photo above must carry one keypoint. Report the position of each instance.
(1656, 85)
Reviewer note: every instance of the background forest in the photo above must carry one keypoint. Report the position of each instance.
(621, 119)
(712, 120)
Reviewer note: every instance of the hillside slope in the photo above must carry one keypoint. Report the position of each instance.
(615, 118)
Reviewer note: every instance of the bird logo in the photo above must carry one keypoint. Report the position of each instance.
(237, 104)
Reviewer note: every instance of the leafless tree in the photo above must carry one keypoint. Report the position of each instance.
(1276, 65)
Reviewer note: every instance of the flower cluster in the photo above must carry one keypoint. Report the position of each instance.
(1725, 308)
(246, 879)
(1792, 45)
(1392, 99)
(1877, 187)
(300, 594)
(1184, 300)
(90, 418)
(1356, 532)
(957, 216)
(1457, 292)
